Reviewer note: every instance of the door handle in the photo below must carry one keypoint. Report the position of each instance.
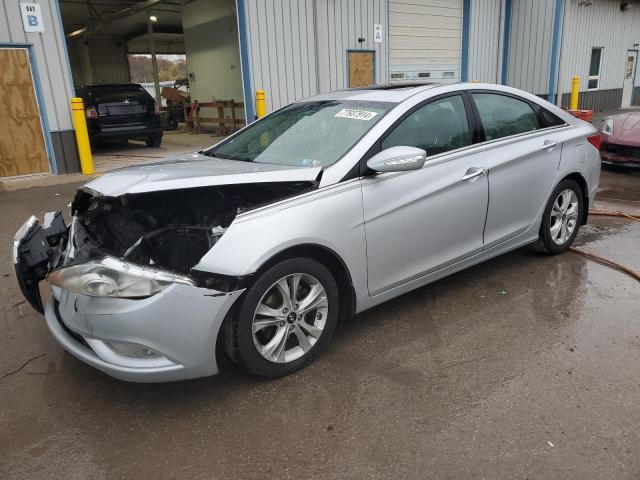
(549, 145)
(474, 172)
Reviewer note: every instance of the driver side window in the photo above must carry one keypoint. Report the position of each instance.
(437, 127)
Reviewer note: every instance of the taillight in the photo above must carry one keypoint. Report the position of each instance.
(595, 140)
(91, 112)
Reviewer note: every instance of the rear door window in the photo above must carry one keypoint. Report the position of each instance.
(503, 116)
(437, 127)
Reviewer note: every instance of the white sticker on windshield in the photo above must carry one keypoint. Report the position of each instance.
(355, 114)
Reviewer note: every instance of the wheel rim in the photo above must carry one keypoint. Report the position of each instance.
(564, 216)
(290, 318)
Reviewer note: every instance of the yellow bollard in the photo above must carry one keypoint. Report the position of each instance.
(575, 87)
(82, 135)
(261, 104)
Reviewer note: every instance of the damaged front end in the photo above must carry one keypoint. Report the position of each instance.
(38, 249)
(134, 245)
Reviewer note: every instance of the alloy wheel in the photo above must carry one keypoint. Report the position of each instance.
(564, 216)
(290, 318)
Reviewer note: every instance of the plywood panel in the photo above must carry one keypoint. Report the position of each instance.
(360, 69)
(22, 148)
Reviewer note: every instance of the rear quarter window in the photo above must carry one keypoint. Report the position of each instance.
(549, 119)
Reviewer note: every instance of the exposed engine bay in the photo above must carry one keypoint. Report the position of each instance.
(169, 229)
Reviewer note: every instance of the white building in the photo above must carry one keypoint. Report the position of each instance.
(293, 49)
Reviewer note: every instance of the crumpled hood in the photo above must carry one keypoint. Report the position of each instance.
(626, 129)
(195, 170)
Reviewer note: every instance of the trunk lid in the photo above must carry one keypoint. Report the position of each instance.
(122, 103)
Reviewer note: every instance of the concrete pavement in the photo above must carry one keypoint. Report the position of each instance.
(523, 367)
(118, 154)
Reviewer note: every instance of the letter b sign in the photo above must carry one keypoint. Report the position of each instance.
(31, 17)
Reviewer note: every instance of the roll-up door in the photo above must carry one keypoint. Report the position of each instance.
(425, 40)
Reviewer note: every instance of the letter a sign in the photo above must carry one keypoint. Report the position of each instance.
(31, 17)
(377, 33)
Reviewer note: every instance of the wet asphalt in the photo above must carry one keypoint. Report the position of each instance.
(526, 366)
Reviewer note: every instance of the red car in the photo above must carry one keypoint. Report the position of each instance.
(620, 136)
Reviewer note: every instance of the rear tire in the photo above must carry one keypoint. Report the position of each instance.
(562, 217)
(154, 142)
(272, 334)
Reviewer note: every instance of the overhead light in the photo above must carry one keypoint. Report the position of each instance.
(77, 32)
(153, 18)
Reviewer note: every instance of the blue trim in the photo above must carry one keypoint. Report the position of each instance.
(506, 38)
(244, 60)
(466, 22)
(44, 120)
(555, 50)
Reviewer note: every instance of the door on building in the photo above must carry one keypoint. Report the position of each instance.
(425, 38)
(629, 77)
(360, 68)
(22, 147)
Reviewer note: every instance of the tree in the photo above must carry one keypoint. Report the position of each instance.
(170, 67)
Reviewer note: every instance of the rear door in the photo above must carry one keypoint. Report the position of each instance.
(523, 157)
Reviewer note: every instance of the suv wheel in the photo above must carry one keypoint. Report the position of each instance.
(287, 316)
(154, 141)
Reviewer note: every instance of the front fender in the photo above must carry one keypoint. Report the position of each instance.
(330, 217)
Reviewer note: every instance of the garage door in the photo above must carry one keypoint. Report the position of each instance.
(22, 148)
(425, 40)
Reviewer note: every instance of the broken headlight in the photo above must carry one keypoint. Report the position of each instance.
(110, 277)
(607, 126)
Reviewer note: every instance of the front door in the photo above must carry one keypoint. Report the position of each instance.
(360, 68)
(629, 77)
(419, 221)
(22, 148)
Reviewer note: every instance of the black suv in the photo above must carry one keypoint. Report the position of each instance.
(121, 111)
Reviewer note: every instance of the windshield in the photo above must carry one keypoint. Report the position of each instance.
(306, 134)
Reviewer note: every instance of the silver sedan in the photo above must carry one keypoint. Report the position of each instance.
(255, 248)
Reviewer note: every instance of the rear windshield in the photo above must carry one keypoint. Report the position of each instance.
(111, 89)
(305, 134)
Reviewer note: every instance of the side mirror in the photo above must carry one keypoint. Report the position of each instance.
(398, 159)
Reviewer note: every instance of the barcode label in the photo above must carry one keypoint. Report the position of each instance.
(355, 114)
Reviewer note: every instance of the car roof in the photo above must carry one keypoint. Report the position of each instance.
(392, 92)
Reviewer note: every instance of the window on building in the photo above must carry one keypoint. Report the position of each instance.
(503, 116)
(594, 68)
(437, 127)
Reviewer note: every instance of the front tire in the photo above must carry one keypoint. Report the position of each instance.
(562, 217)
(286, 318)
